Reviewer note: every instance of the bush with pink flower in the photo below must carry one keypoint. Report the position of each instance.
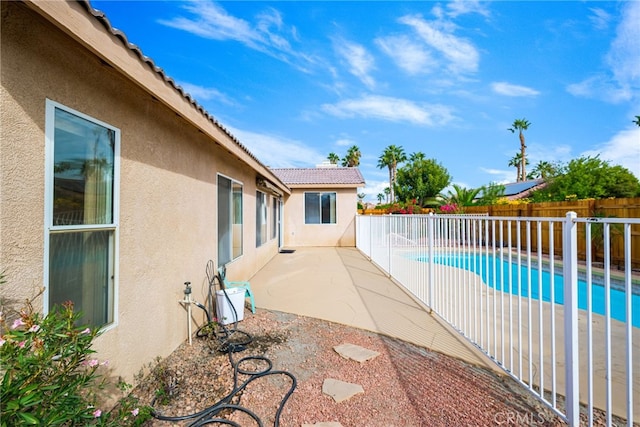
(450, 208)
(48, 376)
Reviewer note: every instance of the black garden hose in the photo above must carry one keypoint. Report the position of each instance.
(209, 415)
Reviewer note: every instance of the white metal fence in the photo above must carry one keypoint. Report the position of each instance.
(565, 325)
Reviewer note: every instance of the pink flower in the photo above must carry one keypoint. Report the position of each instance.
(97, 413)
(34, 328)
(105, 363)
(17, 323)
(134, 412)
(86, 331)
(92, 362)
(21, 344)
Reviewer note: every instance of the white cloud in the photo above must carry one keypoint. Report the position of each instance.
(278, 152)
(213, 22)
(360, 61)
(407, 54)
(508, 89)
(552, 152)
(601, 87)
(205, 94)
(500, 176)
(373, 188)
(600, 19)
(459, 53)
(461, 7)
(622, 149)
(624, 55)
(344, 142)
(267, 35)
(622, 81)
(391, 109)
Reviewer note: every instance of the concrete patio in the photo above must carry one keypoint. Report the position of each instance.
(339, 284)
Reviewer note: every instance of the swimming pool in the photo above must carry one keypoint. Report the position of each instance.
(478, 264)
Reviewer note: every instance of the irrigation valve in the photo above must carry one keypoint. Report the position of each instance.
(187, 289)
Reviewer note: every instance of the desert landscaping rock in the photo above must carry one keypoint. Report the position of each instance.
(405, 385)
(355, 352)
(340, 390)
(329, 424)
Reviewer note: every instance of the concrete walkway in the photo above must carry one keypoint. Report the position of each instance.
(341, 285)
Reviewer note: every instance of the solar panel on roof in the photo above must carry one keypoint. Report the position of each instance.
(519, 187)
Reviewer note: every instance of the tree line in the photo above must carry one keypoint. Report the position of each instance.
(420, 181)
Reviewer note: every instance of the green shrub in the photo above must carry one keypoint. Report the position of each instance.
(49, 376)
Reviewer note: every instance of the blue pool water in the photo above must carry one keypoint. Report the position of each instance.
(475, 263)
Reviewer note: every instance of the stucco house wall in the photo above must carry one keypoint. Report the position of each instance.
(342, 233)
(344, 182)
(171, 155)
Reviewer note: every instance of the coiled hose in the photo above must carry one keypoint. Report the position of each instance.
(210, 415)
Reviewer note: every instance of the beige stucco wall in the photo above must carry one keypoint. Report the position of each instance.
(342, 233)
(168, 217)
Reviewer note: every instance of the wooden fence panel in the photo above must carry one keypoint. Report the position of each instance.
(605, 208)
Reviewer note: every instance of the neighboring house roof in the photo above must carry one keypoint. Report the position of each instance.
(520, 190)
(326, 177)
(518, 187)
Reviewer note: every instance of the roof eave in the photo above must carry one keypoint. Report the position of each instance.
(112, 47)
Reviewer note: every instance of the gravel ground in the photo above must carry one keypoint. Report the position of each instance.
(404, 386)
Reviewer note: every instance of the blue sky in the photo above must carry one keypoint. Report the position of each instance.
(294, 81)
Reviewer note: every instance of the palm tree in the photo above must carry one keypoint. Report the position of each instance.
(380, 197)
(333, 158)
(517, 163)
(419, 155)
(391, 156)
(543, 169)
(462, 196)
(387, 191)
(352, 159)
(521, 125)
(637, 120)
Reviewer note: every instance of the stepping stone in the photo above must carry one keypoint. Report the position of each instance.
(340, 390)
(355, 352)
(324, 424)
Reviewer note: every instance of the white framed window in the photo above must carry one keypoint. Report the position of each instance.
(81, 213)
(230, 224)
(320, 208)
(261, 218)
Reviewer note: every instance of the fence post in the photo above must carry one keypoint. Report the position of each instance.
(431, 234)
(571, 344)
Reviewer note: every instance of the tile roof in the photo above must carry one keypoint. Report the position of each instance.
(311, 176)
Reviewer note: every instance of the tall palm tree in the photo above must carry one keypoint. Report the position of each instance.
(333, 158)
(637, 120)
(380, 197)
(352, 159)
(391, 156)
(387, 191)
(521, 125)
